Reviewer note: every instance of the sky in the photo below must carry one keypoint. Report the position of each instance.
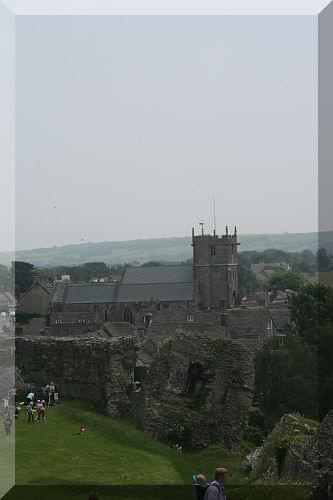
(126, 126)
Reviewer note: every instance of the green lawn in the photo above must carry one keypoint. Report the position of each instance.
(118, 460)
(113, 451)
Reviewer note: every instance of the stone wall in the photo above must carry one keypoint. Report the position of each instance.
(97, 370)
(325, 457)
(290, 452)
(198, 391)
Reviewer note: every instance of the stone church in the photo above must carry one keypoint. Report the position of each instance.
(196, 295)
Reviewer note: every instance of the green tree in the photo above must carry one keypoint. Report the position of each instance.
(299, 375)
(324, 260)
(284, 280)
(310, 308)
(24, 273)
(325, 368)
(287, 379)
(248, 282)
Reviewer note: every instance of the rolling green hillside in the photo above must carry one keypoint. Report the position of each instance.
(162, 249)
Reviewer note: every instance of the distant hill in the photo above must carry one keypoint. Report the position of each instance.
(162, 249)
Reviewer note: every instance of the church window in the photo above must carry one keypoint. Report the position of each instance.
(212, 250)
(147, 319)
(128, 316)
(158, 306)
(190, 317)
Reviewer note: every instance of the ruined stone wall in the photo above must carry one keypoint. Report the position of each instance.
(71, 329)
(199, 388)
(97, 370)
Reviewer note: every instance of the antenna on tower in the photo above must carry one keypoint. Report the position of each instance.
(214, 211)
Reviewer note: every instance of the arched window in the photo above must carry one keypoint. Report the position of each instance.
(147, 319)
(128, 316)
(195, 380)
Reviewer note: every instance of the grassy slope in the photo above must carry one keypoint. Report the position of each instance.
(111, 452)
(114, 453)
(169, 249)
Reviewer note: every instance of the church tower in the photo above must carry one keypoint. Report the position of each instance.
(215, 269)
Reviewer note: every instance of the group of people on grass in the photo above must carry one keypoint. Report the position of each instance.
(36, 408)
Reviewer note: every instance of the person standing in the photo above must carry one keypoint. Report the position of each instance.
(41, 414)
(8, 425)
(5, 403)
(215, 490)
(30, 413)
(30, 397)
(52, 391)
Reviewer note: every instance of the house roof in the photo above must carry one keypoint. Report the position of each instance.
(264, 266)
(158, 274)
(47, 284)
(280, 316)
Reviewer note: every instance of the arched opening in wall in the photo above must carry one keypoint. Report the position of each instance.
(128, 316)
(195, 380)
(147, 320)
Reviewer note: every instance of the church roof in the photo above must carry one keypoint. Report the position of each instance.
(85, 293)
(158, 274)
(140, 284)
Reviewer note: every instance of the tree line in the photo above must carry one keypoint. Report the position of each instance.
(298, 375)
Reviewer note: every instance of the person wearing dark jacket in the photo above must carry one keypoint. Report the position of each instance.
(215, 490)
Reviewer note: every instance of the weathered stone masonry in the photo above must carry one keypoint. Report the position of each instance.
(199, 382)
(97, 370)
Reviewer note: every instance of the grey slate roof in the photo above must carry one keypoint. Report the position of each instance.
(90, 292)
(158, 274)
(58, 293)
(85, 293)
(279, 316)
(140, 284)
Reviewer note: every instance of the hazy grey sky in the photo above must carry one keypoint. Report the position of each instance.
(126, 126)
